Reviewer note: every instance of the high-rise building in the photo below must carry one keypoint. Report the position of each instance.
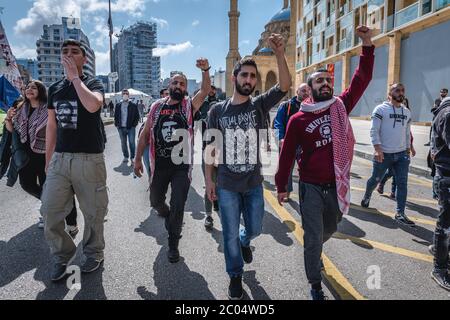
(48, 49)
(134, 61)
(409, 39)
(219, 79)
(31, 66)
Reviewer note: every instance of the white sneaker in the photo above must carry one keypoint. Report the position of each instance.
(41, 223)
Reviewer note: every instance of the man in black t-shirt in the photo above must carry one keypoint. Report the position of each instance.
(168, 163)
(75, 162)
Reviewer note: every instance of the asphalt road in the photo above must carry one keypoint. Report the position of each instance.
(370, 258)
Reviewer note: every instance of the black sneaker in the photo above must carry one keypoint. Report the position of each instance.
(91, 265)
(173, 255)
(380, 188)
(442, 279)
(247, 254)
(403, 219)
(163, 211)
(209, 222)
(58, 271)
(365, 203)
(235, 291)
(318, 295)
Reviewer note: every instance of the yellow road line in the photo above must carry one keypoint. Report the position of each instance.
(337, 280)
(383, 213)
(392, 215)
(413, 180)
(385, 247)
(410, 199)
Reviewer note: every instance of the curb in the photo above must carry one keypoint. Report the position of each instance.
(418, 170)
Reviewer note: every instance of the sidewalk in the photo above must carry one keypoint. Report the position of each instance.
(364, 148)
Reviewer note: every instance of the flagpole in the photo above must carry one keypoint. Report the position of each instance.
(110, 38)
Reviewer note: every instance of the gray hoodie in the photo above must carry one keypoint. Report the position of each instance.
(391, 128)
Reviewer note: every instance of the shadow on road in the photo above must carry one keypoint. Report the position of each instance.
(29, 251)
(389, 223)
(173, 281)
(124, 169)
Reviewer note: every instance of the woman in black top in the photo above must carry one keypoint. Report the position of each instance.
(29, 120)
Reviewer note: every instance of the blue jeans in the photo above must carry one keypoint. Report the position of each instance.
(146, 158)
(399, 162)
(130, 135)
(231, 205)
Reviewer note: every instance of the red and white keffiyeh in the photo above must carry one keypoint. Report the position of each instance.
(343, 145)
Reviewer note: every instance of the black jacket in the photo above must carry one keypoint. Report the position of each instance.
(440, 138)
(13, 153)
(133, 115)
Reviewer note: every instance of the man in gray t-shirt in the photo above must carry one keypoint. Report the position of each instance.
(233, 132)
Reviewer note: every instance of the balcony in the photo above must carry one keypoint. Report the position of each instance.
(344, 9)
(373, 5)
(344, 44)
(406, 15)
(440, 4)
(357, 3)
(308, 7)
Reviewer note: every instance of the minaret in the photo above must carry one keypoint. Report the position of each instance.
(233, 54)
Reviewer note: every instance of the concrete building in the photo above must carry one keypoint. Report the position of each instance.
(134, 60)
(105, 82)
(192, 86)
(31, 66)
(409, 39)
(219, 80)
(48, 49)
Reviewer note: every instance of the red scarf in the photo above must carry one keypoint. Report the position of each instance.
(343, 145)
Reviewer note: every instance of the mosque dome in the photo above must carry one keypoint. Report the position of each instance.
(282, 15)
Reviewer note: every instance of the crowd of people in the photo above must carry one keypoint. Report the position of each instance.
(59, 141)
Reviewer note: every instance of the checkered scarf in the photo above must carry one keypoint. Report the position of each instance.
(34, 127)
(343, 145)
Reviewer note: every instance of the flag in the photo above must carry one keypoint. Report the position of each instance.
(8, 65)
(8, 94)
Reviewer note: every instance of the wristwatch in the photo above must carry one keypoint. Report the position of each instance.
(205, 70)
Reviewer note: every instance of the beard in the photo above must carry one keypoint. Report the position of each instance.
(245, 90)
(320, 96)
(399, 99)
(176, 94)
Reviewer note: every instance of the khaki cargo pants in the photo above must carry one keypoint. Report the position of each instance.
(85, 176)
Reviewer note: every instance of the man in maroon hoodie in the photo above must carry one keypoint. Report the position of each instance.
(322, 130)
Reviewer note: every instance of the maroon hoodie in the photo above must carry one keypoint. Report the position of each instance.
(312, 133)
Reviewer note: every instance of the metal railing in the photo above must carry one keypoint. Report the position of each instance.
(406, 15)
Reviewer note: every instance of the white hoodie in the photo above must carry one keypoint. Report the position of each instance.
(391, 128)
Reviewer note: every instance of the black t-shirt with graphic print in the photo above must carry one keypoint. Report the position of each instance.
(78, 130)
(170, 119)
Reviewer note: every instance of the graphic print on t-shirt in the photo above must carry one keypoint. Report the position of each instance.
(169, 121)
(67, 114)
(241, 141)
(323, 124)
